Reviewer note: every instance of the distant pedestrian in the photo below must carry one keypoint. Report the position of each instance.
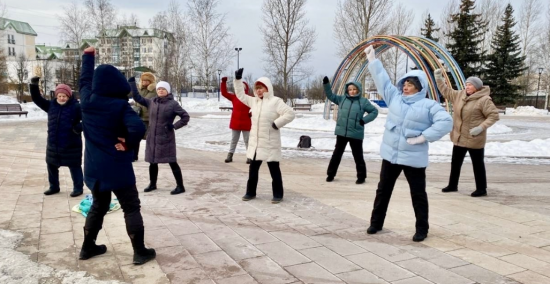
(473, 113)
(161, 140)
(269, 114)
(412, 122)
(240, 119)
(147, 89)
(64, 148)
(350, 127)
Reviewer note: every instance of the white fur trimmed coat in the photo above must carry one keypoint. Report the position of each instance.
(265, 141)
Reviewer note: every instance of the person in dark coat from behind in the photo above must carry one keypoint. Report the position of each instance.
(64, 148)
(161, 140)
(112, 130)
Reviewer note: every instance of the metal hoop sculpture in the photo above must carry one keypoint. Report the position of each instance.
(426, 54)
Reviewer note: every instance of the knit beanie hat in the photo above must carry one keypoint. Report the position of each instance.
(261, 84)
(415, 82)
(148, 76)
(64, 89)
(163, 84)
(475, 81)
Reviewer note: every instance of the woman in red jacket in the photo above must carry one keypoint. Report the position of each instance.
(240, 120)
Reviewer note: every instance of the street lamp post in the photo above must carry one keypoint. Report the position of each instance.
(538, 87)
(238, 49)
(219, 82)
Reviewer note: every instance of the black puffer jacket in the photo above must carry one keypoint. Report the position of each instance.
(64, 146)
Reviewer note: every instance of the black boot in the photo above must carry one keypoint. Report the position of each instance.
(89, 248)
(76, 192)
(479, 193)
(449, 189)
(141, 253)
(150, 187)
(179, 189)
(229, 158)
(419, 236)
(360, 181)
(372, 230)
(330, 178)
(248, 161)
(51, 191)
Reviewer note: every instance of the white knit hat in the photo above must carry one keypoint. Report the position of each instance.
(163, 84)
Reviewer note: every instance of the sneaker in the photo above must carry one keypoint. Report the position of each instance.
(449, 189)
(479, 193)
(372, 230)
(360, 181)
(419, 236)
(247, 197)
(276, 200)
(330, 178)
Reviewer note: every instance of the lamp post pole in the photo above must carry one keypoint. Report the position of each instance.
(219, 82)
(538, 88)
(238, 49)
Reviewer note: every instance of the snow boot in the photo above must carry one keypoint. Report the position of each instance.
(229, 158)
(150, 187)
(51, 191)
(248, 161)
(89, 248)
(141, 253)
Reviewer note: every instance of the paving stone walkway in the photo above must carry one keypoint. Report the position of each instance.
(316, 235)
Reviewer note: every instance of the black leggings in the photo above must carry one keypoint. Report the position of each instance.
(154, 172)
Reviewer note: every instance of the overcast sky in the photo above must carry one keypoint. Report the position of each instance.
(242, 16)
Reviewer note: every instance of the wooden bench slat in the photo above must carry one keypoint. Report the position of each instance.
(12, 109)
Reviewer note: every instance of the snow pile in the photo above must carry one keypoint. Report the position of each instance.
(204, 105)
(16, 267)
(318, 107)
(35, 113)
(499, 128)
(526, 111)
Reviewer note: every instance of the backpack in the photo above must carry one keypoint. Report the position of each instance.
(305, 142)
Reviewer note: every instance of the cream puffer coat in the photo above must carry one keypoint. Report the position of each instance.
(265, 141)
(471, 111)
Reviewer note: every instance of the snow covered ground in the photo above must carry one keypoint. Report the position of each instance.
(17, 267)
(522, 136)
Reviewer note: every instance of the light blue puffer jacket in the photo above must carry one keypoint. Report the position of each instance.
(408, 116)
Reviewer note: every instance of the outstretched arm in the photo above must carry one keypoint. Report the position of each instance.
(328, 92)
(87, 75)
(223, 88)
(135, 93)
(36, 97)
(447, 92)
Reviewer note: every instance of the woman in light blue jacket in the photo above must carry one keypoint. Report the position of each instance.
(412, 122)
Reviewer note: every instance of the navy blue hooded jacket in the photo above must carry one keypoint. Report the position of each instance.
(106, 115)
(64, 146)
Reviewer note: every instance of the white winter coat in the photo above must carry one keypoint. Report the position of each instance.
(264, 140)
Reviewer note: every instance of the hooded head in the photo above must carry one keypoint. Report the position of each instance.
(266, 83)
(109, 82)
(415, 77)
(357, 85)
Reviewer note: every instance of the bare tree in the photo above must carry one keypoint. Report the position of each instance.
(491, 12)
(128, 20)
(249, 78)
(402, 19)
(529, 15)
(3, 58)
(288, 41)
(209, 38)
(22, 74)
(357, 20)
(102, 13)
(315, 92)
(445, 23)
(544, 52)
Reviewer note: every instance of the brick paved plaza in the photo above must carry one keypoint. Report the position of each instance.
(316, 235)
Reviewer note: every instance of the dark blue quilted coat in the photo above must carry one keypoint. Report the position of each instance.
(64, 146)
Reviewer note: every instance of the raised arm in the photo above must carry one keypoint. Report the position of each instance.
(135, 93)
(86, 75)
(447, 92)
(381, 78)
(223, 88)
(328, 92)
(36, 97)
(184, 117)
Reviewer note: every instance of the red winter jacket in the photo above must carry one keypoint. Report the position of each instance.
(240, 117)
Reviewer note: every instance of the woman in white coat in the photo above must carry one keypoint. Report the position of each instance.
(269, 114)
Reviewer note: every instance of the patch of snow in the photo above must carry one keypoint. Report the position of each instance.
(526, 111)
(35, 113)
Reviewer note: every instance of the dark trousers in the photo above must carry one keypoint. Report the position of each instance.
(129, 201)
(76, 175)
(176, 170)
(357, 152)
(477, 156)
(274, 170)
(417, 184)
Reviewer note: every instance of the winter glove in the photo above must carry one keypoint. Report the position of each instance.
(224, 79)
(169, 126)
(325, 80)
(416, 140)
(34, 80)
(476, 130)
(249, 114)
(438, 74)
(239, 74)
(371, 55)
(274, 126)
(362, 122)
(132, 80)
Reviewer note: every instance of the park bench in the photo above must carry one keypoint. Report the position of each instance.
(226, 108)
(12, 109)
(302, 107)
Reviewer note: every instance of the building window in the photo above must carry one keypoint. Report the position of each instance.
(150, 40)
(150, 49)
(144, 49)
(102, 41)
